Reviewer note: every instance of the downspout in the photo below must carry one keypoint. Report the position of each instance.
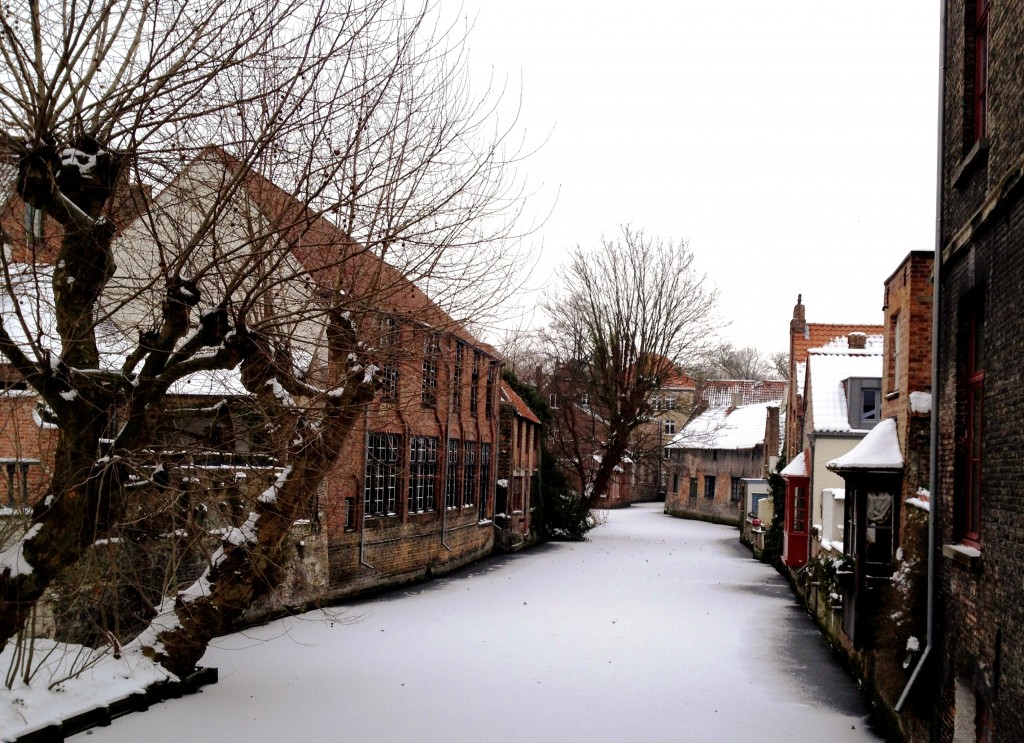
(933, 439)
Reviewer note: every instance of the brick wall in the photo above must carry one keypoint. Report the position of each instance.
(723, 465)
(23, 439)
(981, 599)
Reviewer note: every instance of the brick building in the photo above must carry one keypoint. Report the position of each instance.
(804, 336)
(412, 492)
(672, 406)
(723, 445)
(978, 640)
(883, 596)
(518, 468)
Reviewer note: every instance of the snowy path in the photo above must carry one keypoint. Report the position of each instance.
(658, 629)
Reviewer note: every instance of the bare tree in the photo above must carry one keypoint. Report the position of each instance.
(729, 362)
(627, 313)
(313, 165)
(779, 361)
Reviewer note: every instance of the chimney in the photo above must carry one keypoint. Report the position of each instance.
(857, 340)
(796, 325)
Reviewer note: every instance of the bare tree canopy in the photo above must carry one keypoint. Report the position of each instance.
(628, 312)
(237, 190)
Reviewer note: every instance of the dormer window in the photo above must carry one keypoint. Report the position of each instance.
(864, 401)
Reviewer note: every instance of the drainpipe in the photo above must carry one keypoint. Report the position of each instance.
(933, 439)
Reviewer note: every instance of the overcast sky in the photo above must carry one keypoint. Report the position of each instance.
(792, 144)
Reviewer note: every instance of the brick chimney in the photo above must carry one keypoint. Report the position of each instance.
(857, 340)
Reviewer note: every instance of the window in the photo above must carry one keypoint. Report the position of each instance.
(736, 490)
(668, 427)
(878, 519)
(584, 399)
(485, 478)
(389, 372)
(693, 488)
(460, 353)
(800, 510)
(675, 483)
(33, 221)
(451, 479)
(709, 487)
(670, 403)
(667, 453)
(469, 472)
(970, 510)
(431, 349)
(657, 403)
(980, 107)
(17, 483)
(474, 390)
(553, 400)
(380, 485)
(422, 473)
(871, 405)
(389, 381)
(895, 361)
(492, 374)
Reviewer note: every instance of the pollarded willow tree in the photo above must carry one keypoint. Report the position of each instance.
(627, 314)
(226, 195)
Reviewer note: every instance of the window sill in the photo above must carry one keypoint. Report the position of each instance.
(961, 554)
(893, 395)
(974, 160)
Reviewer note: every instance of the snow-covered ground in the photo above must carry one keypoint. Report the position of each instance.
(658, 629)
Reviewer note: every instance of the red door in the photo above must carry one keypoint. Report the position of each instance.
(798, 522)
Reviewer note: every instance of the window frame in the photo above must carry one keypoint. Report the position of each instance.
(484, 469)
(469, 449)
(736, 490)
(431, 352)
(422, 490)
(710, 484)
(451, 480)
(380, 478)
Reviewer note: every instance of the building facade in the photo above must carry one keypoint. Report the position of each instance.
(979, 636)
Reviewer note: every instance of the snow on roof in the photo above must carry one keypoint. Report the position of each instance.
(827, 369)
(841, 345)
(724, 428)
(880, 449)
(796, 468)
(718, 393)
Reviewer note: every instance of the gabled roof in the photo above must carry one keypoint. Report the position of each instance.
(328, 253)
(816, 335)
(679, 381)
(718, 393)
(725, 428)
(522, 409)
(827, 369)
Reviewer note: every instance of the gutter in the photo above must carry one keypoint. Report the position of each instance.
(933, 439)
